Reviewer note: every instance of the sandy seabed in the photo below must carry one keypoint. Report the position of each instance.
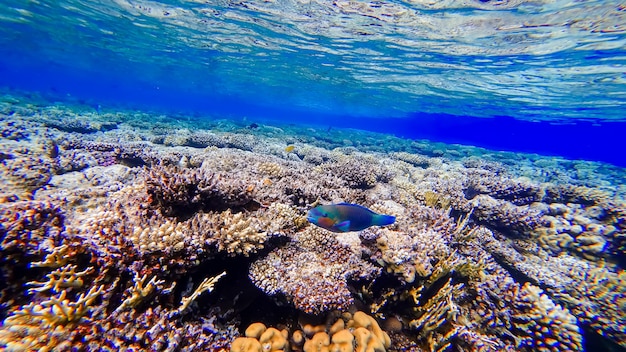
(127, 231)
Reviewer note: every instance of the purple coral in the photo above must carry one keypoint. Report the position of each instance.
(312, 272)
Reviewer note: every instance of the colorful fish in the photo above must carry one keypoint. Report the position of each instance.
(344, 217)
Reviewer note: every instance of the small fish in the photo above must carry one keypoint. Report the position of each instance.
(290, 148)
(344, 217)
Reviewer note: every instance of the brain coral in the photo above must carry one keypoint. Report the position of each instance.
(342, 333)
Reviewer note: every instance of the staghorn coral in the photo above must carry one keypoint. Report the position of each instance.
(312, 272)
(205, 286)
(46, 325)
(59, 279)
(139, 292)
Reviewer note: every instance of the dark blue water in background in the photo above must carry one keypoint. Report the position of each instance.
(588, 140)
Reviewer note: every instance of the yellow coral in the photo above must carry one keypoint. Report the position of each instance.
(64, 277)
(239, 235)
(274, 340)
(333, 337)
(342, 341)
(246, 344)
(270, 169)
(255, 330)
(320, 342)
(379, 337)
(56, 259)
(43, 326)
(139, 291)
(205, 286)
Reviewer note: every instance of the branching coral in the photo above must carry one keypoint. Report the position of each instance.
(517, 192)
(478, 259)
(505, 216)
(205, 286)
(59, 279)
(238, 235)
(282, 218)
(544, 325)
(358, 173)
(410, 255)
(139, 292)
(45, 325)
(524, 313)
(27, 171)
(180, 193)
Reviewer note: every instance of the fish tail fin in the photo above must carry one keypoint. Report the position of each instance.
(382, 220)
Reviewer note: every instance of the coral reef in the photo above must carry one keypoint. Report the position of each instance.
(116, 236)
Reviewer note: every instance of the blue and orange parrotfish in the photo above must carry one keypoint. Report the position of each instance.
(344, 217)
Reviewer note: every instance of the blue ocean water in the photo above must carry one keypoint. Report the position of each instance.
(530, 76)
